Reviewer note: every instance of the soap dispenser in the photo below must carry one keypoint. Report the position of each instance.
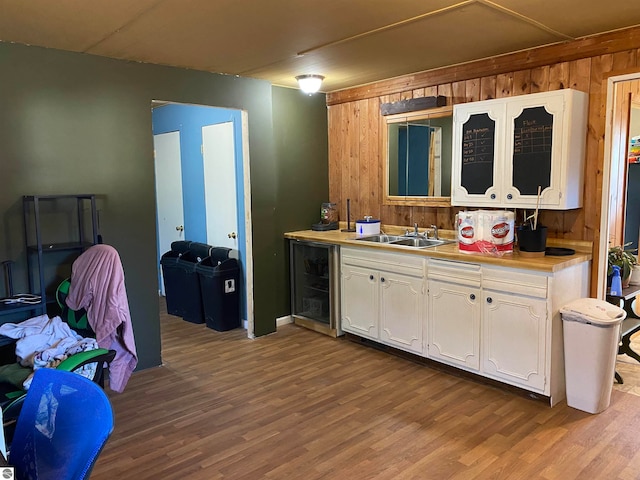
(616, 282)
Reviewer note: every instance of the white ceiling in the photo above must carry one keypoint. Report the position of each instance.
(350, 42)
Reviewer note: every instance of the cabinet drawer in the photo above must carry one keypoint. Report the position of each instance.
(515, 281)
(391, 262)
(456, 272)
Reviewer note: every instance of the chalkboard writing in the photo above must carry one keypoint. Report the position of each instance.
(532, 145)
(478, 146)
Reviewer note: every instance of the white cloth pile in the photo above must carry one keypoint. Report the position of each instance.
(44, 342)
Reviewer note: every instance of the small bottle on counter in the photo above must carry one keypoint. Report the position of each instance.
(616, 282)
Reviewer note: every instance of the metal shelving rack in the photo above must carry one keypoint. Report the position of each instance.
(37, 246)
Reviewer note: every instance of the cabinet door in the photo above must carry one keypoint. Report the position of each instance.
(454, 324)
(478, 146)
(513, 339)
(402, 310)
(539, 140)
(535, 149)
(359, 293)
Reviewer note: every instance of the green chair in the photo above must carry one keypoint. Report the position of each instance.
(76, 319)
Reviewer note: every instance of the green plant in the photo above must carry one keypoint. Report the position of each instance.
(624, 258)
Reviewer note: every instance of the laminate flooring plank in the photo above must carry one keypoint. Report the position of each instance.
(300, 405)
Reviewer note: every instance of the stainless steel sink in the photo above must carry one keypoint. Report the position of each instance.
(381, 238)
(418, 242)
(404, 240)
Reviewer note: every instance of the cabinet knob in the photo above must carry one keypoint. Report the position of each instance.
(382, 279)
(493, 196)
(472, 296)
(489, 299)
(370, 277)
(509, 196)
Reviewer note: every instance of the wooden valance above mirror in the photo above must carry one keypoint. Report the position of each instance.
(413, 105)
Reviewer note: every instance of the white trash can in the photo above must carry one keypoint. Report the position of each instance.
(591, 330)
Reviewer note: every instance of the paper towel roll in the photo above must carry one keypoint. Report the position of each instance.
(467, 224)
(486, 231)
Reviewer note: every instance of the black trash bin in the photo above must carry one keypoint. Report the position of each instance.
(219, 277)
(181, 281)
(170, 274)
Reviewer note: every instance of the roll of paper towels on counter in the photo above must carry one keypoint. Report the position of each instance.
(485, 231)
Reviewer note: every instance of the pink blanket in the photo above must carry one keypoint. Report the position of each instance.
(97, 285)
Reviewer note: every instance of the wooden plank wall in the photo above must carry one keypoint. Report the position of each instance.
(356, 161)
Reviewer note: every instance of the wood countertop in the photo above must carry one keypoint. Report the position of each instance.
(450, 250)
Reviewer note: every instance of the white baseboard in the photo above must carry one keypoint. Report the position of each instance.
(284, 320)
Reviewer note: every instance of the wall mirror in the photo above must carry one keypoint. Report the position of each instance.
(418, 157)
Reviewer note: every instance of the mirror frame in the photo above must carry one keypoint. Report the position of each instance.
(405, 117)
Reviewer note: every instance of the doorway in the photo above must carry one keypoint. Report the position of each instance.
(632, 216)
(616, 226)
(621, 90)
(213, 152)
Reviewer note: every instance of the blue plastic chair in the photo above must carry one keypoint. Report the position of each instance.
(64, 424)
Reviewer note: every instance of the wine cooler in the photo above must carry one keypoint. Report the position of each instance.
(315, 286)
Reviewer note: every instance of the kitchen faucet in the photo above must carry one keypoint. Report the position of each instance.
(425, 234)
(415, 232)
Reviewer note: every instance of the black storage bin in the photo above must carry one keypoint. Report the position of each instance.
(181, 246)
(219, 286)
(181, 281)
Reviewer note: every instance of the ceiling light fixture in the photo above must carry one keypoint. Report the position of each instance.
(309, 83)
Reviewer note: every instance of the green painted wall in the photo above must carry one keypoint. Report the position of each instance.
(301, 145)
(75, 123)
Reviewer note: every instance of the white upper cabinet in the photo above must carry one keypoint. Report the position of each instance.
(505, 149)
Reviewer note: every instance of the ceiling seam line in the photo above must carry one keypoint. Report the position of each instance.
(387, 27)
(525, 19)
(353, 37)
(123, 26)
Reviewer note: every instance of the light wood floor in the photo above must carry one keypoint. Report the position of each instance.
(300, 405)
(629, 369)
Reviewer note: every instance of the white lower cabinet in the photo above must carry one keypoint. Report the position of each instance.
(515, 326)
(359, 306)
(499, 322)
(454, 313)
(383, 297)
(402, 300)
(514, 338)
